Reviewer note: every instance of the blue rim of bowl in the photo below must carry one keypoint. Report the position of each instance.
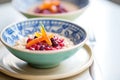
(50, 51)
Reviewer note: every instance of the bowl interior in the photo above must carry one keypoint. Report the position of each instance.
(24, 5)
(19, 30)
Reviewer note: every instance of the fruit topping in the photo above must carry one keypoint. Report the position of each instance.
(50, 6)
(44, 41)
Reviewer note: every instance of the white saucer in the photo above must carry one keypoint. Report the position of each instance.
(17, 68)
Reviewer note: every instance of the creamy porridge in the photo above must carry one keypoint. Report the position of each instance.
(58, 42)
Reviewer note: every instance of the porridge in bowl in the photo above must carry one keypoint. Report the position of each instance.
(43, 41)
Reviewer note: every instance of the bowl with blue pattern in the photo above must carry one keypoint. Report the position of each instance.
(43, 59)
(75, 8)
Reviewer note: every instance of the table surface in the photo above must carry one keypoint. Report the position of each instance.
(101, 16)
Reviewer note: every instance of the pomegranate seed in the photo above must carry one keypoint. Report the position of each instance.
(37, 10)
(42, 47)
(52, 39)
(34, 45)
(58, 47)
(28, 40)
(31, 48)
(48, 48)
(54, 48)
(60, 40)
(46, 11)
(37, 47)
(61, 44)
(54, 44)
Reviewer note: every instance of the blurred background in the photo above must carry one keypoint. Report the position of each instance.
(3, 1)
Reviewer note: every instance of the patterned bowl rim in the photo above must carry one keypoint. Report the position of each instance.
(50, 51)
